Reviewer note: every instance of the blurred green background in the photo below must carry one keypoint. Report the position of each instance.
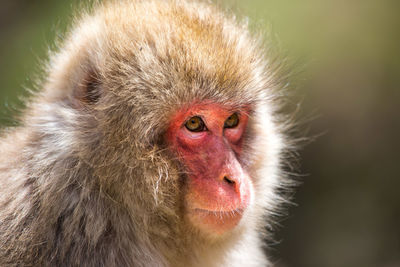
(348, 207)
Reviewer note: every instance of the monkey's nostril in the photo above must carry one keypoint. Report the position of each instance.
(229, 181)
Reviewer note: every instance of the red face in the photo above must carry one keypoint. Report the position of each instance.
(208, 139)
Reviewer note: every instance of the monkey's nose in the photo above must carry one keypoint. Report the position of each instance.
(231, 184)
(228, 180)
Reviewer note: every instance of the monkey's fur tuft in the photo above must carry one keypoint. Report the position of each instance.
(87, 179)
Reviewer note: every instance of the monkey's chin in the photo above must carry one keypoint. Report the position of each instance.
(215, 222)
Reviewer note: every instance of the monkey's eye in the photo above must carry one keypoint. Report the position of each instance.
(195, 124)
(232, 121)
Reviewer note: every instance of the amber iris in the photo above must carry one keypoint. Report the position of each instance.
(232, 121)
(195, 124)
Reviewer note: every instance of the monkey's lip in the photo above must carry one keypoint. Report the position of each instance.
(216, 221)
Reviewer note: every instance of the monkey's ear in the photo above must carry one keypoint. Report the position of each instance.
(74, 77)
(87, 91)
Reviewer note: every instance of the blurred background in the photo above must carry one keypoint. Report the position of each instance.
(348, 206)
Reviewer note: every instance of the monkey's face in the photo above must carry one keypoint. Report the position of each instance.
(208, 139)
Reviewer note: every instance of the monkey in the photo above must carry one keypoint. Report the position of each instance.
(156, 139)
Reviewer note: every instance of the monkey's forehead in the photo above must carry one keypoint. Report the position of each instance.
(186, 50)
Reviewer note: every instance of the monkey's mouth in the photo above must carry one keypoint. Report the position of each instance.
(216, 221)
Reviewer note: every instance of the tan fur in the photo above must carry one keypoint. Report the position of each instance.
(87, 179)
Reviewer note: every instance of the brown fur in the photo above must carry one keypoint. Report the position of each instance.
(87, 179)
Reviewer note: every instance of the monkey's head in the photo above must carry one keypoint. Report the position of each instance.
(175, 114)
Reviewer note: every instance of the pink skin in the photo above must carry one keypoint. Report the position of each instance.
(219, 189)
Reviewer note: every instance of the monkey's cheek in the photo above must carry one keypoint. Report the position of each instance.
(215, 222)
